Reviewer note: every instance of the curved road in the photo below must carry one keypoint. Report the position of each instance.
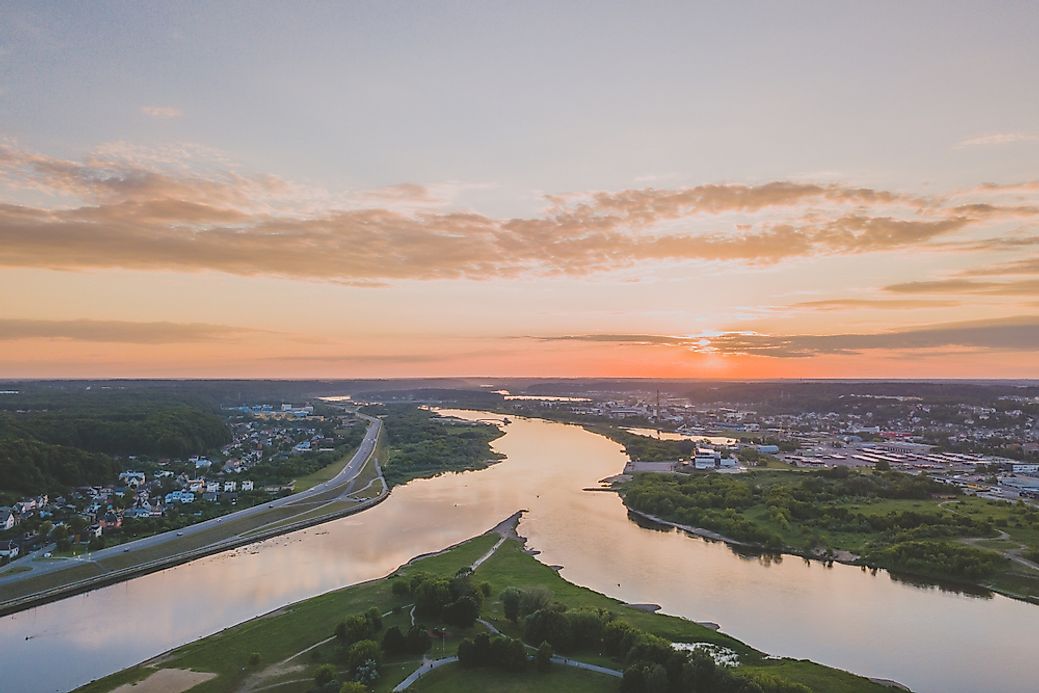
(341, 481)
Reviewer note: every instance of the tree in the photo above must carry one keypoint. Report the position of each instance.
(393, 641)
(354, 628)
(363, 651)
(550, 625)
(254, 659)
(417, 640)
(374, 617)
(353, 687)
(400, 588)
(543, 658)
(467, 654)
(462, 613)
(482, 649)
(655, 680)
(510, 601)
(325, 674)
(535, 598)
(485, 589)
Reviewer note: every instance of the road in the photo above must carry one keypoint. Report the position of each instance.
(324, 491)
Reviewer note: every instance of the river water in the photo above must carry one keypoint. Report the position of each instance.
(928, 639)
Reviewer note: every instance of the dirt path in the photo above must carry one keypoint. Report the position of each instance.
(1012, 554)
(167, 681)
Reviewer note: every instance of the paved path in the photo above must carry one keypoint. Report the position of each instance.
(566, 661)
(424, 668)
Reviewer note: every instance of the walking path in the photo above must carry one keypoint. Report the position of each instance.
(1013, 554)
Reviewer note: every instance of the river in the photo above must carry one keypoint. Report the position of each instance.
(926, 638)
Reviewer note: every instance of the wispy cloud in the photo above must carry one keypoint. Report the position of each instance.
(1004, 334)
(1026, 287)
(134, 213)
(880, 303)
(996, 138)
(119, 331)
(162, 112)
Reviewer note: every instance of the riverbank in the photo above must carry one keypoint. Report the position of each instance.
(904, 524)
(357, 487)
(288, 645)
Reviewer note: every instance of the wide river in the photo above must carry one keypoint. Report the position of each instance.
(928, 639)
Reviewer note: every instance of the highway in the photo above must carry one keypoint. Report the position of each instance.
(318, 495)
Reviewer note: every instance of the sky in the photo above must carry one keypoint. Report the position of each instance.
(384, 189)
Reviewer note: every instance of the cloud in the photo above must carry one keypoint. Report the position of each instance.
(896, 303)
(1027, 287)
(154, 211)
(162, 112)
(998, 138)
(118, 331)
(1003, 334)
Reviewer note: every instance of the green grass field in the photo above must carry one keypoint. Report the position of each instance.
(453, 679)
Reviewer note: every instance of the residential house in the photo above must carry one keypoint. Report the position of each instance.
(8, 550)
(179, 497)
(7, 518)
(247, 485)
(230, 486)
(132, 479)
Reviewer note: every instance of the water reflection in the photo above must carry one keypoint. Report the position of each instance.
(873, 624)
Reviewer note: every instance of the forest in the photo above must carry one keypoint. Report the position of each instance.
(53, 437)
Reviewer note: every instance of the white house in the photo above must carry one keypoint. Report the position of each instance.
(6, 518)
(247, 485)
(8, 549)
(230, 485)
(179, 497)
(132, 479)
(1024, 467)
(212, 486)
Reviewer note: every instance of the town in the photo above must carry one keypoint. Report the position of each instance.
(273, 448)
(988, 448)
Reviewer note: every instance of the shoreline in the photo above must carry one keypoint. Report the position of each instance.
(843, 557)
(114, 577)
(117, 575)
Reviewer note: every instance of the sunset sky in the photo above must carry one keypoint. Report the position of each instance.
(710, 190)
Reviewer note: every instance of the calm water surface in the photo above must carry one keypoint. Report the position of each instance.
(871, 624)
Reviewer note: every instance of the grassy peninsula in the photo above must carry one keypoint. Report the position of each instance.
(504, 618)
(906, 523)
(419, 443)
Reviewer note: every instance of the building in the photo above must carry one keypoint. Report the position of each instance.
(179, 497)
(7, 518)
(132, 479)
(1024, 468)
(230, 486)
(247, 485)
(906, 448)
(8, 550)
